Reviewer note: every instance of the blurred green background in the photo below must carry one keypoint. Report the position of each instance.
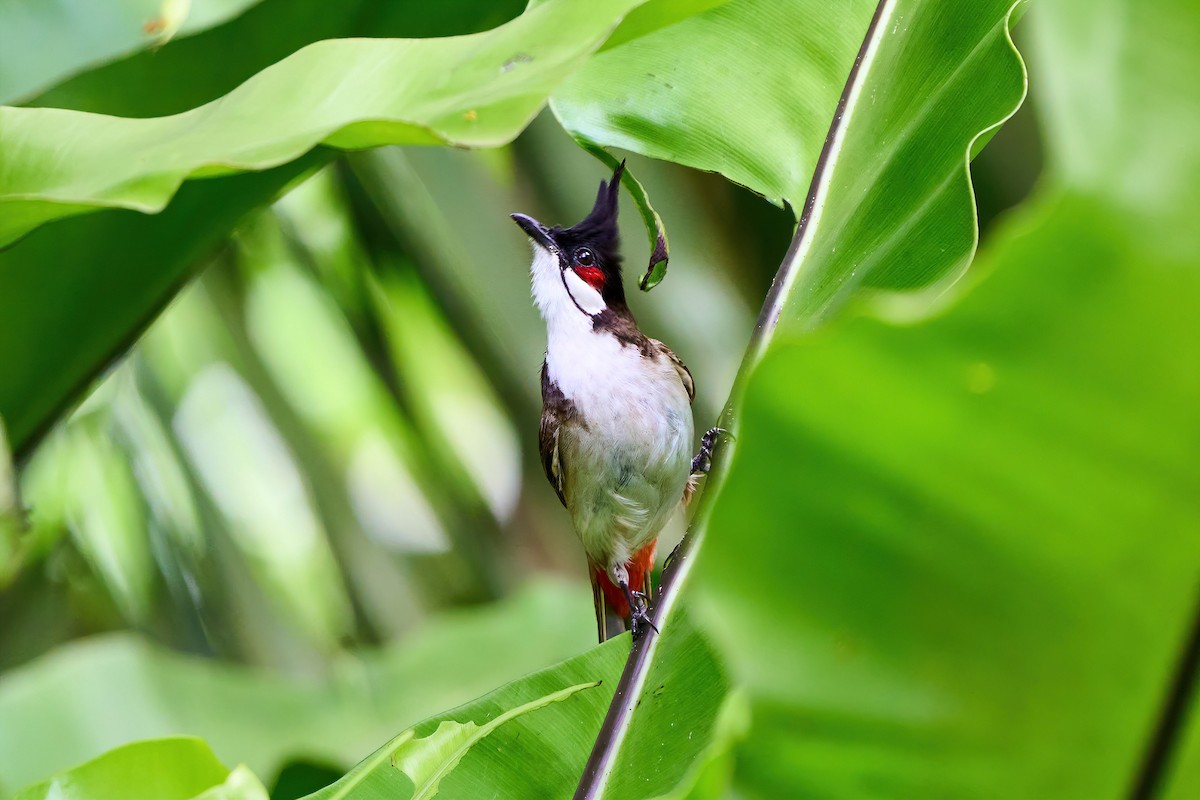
(306, 509)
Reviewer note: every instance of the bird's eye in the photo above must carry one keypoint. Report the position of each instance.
(584, 257)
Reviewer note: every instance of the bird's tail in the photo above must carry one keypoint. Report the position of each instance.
(612, 609)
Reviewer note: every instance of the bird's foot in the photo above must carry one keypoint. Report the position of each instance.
(702, 463)
(639, 614)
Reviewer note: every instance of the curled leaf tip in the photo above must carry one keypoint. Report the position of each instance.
(657, 269)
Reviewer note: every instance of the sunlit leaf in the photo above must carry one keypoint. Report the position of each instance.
(192, 70)
(414, 767)
(746, 89)
(308, 349)
(91, 696)
(941, 540)
(401, 328)
(163, 769)
(478, 90)
(892, 210)
(161, 477)
(418, 192)
(44, 41)
(452, 402)
(487, 98)
(242, 784)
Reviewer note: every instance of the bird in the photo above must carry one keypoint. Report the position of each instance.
(616, 428)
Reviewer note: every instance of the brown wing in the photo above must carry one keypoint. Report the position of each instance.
(685, 374)
(556, 410)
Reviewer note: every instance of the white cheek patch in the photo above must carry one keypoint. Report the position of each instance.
(584, 295)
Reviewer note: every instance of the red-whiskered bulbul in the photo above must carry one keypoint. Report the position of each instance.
(616, 432)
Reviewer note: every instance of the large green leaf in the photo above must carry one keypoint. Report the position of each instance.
(959, 557)
(484, 98)
(892, 208)
(479, 90)
(165, 769)
(1181, 777)
(746, 89)
(1014, 499)
(193, 70)
(85, 34)
(97, 694)
(527, 739)
(412, 766)
(543, 755)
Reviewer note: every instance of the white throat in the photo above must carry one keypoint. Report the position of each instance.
(577, 355)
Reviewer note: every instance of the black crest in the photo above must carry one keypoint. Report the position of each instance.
(598, 233)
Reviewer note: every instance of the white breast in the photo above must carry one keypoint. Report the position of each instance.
(626, 468)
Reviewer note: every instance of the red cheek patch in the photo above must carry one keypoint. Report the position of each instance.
(592, 276)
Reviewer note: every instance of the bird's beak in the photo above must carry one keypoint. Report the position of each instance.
(536, 230)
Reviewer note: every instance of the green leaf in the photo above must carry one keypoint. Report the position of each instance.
(892, 210)
(479, 90)
(980, 529)
(57, 306)
(972, 530)
(188, 72)
(652, 16)
(242, 784)
(90, 696)
(87, 34)
(1182, 778)
(11, 515)
(711, 773)
(419, 765)
(104, 511)
(746, 89)
(162, 769)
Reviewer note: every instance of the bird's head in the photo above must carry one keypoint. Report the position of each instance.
(577, 270)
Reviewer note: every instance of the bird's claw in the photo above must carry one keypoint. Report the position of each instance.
(702, 463)
(639, 614)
